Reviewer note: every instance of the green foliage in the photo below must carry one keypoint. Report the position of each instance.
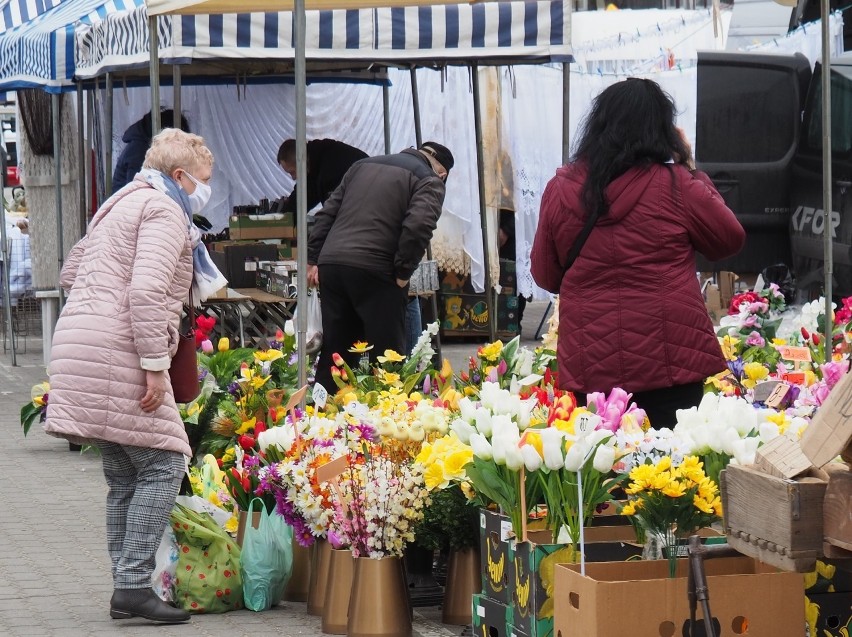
(449, 522)
(30, 413)
(225, 366)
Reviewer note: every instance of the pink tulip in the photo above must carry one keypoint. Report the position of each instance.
(502, 368)
(207, 346)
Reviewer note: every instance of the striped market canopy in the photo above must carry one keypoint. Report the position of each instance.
(505, 32)
(37, 45)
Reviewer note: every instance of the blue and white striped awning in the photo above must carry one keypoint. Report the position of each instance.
(14, 13)
(506, 32)
(40, 51)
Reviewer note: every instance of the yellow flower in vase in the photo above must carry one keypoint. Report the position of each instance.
(360, 347)
(390, 356)
(491, 351)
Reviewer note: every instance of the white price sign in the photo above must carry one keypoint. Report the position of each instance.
(320, 396)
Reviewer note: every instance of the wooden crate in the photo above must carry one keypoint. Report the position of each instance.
(775, 520)
(836, 507)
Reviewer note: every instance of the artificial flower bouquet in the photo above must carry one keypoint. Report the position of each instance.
(500, 364)
(391, 370)
(753, 315)
(36, 409)
(672, 501)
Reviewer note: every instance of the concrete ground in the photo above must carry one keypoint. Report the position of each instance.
(54, 568)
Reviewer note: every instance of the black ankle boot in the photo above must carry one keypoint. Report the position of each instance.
(143, 602)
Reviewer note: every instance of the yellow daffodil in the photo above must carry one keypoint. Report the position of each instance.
(754, 373)
(232, 524)
(252, 377)
(389, 378)
(491, 351)
(390, 357)
(224, 344)
(455, 463)
(434, 477)
(729, 347)
(780, 419)
(360, 347)
(247, 424)
(268, 356)
(778, 342)
(229, 455)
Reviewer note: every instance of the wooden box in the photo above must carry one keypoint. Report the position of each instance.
(775, 520)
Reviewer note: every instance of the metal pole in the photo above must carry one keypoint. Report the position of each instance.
(81, 156)
(418, 139)
(826, 174)
(57, 161)
(154, 36)
(566, 112)
(300, 26)
(108, 117)
(480, 171)
(176, 100)
(386, 112)
(90, 137)
(7, 292)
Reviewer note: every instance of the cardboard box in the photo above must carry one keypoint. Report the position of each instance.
(490, 617)
(828, 614)
(464, 314)
(455, 283)
(514, 631)
(238, 261)
(830, 431)
(718, 295)
(776, 520)
(287, 249)
(242, 227)
(532, 604)
(495, 530)
(638, 598)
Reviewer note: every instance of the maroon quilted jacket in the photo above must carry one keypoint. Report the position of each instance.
(631, 313)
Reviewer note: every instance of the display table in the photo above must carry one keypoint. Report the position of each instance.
(249, 312)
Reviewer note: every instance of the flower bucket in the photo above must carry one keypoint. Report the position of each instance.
(241, 526)
(319, 577)
(379, 605)
(335, 611)
(463, 580)
(297, 587)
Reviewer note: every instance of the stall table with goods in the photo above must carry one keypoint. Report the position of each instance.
(249, 313)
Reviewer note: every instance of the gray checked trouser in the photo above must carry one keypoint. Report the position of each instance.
(143, 484)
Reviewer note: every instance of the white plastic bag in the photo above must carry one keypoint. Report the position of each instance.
(165, 569)
(313, 337)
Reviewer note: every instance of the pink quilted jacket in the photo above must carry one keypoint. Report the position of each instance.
(128, 279)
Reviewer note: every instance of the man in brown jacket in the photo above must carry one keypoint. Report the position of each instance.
(365, 244)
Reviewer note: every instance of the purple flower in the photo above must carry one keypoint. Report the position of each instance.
(751, 321)
(776, 291)
(832, 372)
(755, 339)
(251, 462)
(736, 367)
(427, 385)
(234, 389)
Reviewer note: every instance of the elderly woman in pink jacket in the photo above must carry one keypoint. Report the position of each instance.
(128, 279)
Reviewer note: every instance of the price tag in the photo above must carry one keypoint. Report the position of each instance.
(482, 520)
(251, 265)
(320, 396)
(777, 396)
(330, 470)
(799, 354)
(506, 531)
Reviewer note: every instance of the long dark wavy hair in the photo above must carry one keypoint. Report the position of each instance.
(631, 123)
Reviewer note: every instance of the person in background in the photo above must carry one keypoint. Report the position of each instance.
(137, 138)
(128, 280)
(366, 242)
(507, 250)
(631, 314)
(328, 160)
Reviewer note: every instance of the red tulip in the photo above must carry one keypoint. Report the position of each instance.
(259, 428)
(805, 334)
(815, 338)
(219, 462)
(337, 359)
(246, 442)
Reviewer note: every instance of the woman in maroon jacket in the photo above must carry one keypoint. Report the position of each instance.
(631, 314)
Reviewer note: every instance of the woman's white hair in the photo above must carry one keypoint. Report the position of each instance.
(172, 148)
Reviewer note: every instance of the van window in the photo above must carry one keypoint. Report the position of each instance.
(734, 130)
(841, 115)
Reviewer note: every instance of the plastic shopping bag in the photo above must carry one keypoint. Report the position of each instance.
(208, 569)
(165, 569)
(266, 560)
(313, 338)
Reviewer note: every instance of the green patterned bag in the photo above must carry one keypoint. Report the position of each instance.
(208, 569)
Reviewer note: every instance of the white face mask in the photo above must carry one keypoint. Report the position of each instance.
(199, 198)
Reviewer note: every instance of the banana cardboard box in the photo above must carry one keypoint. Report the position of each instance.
(490, 617)
(495, 530)
(828, 600)
(531, 576)
(463, 314)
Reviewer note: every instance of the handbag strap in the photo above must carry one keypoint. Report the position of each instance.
(191, 313)
(580, 241)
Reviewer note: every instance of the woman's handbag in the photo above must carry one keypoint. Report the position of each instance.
(184, 369)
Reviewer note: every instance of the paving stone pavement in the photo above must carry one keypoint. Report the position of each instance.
(54, 568)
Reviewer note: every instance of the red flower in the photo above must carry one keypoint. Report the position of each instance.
(805, 334)
(743, 297)
(337, 359)
(246, 442)
(259, 428)
(219, 462)
(205, 323)
(815, 338)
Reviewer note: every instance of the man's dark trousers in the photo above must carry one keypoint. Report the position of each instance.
(358, 305)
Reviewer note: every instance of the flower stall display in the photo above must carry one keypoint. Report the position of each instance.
(672, 501)
(754, 316)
